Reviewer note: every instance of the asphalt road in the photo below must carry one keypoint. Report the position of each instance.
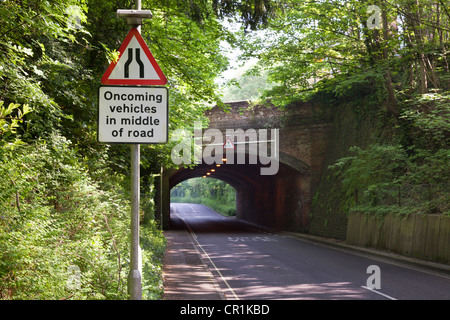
(247, 262)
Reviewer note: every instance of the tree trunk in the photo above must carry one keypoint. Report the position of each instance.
(391, 103)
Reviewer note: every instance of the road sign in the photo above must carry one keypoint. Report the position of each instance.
(136, 64)
(133, 114)
(228, 143)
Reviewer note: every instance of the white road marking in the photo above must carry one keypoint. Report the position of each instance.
(378, 292)
(194, 236)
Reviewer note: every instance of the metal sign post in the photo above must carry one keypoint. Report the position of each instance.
(134, 114)
(135, 278)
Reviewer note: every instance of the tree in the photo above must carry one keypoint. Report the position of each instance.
(52, 56)
(310, 41)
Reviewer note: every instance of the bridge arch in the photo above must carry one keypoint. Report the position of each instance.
(282, 200)
(278, 201)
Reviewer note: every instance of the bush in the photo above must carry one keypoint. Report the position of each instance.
(56, 220)
(153, 246)
(387, 178)
(63, 236)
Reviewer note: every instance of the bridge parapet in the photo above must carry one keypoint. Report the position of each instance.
(244, 115)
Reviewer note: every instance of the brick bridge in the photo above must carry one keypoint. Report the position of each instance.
(282, 200)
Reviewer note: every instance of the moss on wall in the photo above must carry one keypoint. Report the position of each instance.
(356, 122)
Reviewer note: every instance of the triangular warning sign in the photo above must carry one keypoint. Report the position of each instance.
(136, 64)
(228, 144)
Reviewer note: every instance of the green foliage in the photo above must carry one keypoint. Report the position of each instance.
(429, 117)
(153, 245)
(388, 179)
(252, 13)
(306, 42)
(247, 84)
(55, 217)
(29, 32)
(310, 41)
(10, 118)
(326, 51)
(64, 194)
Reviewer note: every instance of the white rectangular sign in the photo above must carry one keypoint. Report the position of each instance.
(128, 114)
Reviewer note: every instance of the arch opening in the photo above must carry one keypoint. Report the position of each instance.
(211, 192)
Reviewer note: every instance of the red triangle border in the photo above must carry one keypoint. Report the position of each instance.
(149, 82)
